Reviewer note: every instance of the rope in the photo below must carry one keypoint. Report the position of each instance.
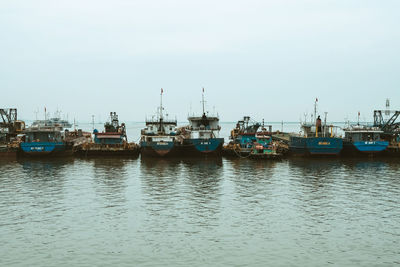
(240, 156)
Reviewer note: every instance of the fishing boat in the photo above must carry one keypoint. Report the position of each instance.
(158, 137)
(10, 128)
(8, 151)
(264, 147)
(112, 141)
(44, 141)
(360, 140)
(250, 139)
(316, 139)
(242, 138)
(55, 121)
(201, 136)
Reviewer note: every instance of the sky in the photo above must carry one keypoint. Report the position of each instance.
(266, 59)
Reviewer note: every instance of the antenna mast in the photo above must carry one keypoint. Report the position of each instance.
(203, 100)
(315, 108)
(45, 116)
(161, 108)
(387, 111)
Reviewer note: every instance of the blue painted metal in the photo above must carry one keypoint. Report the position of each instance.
(42, 147)
(158, 145)
(207, 145)
(246, 141)
(315, 145)
(158, 149)
(324, 145)
(108, 141)
(371, 146)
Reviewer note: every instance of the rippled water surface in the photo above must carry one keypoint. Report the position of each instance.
(199, 212)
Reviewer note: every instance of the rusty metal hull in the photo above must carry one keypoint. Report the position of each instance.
(148, 151)
(8, 153)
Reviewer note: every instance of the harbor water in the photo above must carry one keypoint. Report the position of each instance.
(203, 212)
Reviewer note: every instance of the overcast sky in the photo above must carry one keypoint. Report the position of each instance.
(266, 59)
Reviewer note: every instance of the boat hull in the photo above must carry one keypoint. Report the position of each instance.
(364, 148)
(158, 149)
(8, 153)
(236, 152)
(315, 146)
(42, 149)
(371, 147)
(265, 156)
(202, 147)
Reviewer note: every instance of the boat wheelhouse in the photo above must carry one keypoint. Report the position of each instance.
(202, 134)
(264, 147)
(113, 134)
(317, 139)
(244, 134)
(158, 137)
(112, 141)
(363, 140)
(43, 141)
(55, 121)
(242, 138)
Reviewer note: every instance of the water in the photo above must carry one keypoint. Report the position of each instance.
(201, 213)
(134, 212)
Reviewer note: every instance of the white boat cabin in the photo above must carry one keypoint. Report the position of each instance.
(203, 127)
(358, 133)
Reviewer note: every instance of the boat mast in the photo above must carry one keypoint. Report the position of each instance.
(315, 108)
(202, 101)
(45, 117)
(161, 112)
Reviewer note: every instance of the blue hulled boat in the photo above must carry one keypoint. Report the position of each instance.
(264, 147)
(315, 146)
(45, 141)
(201, 136)
(243, 137)
(158, 137)
(316, 139)
(363, 140)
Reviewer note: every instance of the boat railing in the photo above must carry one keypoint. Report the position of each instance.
(157, 122)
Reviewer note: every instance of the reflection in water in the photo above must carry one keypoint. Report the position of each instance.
(249, 174)
(173, 182)
(159, 179)
(338, 198)
(109, 177)
(32, 198)
(203, 180)
(44, 177)
(45, 168)
(109, 183)
(201, 211)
